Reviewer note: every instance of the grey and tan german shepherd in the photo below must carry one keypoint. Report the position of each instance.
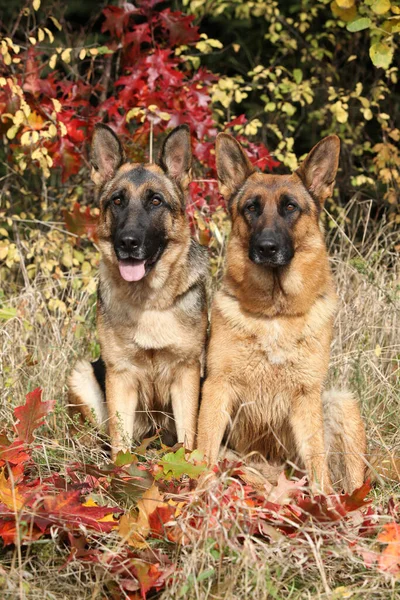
(151, 308)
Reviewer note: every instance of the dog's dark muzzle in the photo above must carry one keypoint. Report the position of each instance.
(272, 249)
(130, 246)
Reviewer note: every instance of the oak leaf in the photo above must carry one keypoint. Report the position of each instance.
(31, 415)
(135, 527)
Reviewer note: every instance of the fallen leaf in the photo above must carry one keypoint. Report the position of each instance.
(135, 527)
(66, 509)
(31, 415)
(9, 494)
(389, 560)
(176, 464)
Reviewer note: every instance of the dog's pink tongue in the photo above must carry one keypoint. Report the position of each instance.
(132, 271)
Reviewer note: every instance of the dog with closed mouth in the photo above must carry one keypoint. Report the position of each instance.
(271, 326)
(151, 307)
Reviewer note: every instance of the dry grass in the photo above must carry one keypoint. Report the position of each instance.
(215, 565)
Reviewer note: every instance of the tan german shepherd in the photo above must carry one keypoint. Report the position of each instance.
(271, 325)
(151, 309)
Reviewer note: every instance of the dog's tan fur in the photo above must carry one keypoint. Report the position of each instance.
(271, 331)
(152, 332)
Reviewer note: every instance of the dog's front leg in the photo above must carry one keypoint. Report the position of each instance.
(122, 400)
(215, 412)
(308, 429)
(185, 391)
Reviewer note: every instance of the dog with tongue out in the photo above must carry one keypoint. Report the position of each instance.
(151, 308)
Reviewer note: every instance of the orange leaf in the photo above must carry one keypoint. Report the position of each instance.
(135, 527)
(389, 560)
(9, 494)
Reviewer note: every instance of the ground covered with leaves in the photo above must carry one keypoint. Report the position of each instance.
(132, 528)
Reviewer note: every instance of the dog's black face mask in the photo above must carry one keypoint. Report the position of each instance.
(139, 227)
(271, 230)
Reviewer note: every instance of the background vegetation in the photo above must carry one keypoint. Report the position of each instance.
(279, 75)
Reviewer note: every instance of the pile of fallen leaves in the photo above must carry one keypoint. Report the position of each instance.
(146, 500)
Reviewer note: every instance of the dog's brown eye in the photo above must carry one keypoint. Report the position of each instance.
(156, 201)
(117, 201)
(251, 207)
(291, 207)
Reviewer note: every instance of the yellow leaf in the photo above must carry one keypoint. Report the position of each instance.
(134, 112)
(346, 4)
(41, 35)
(93, 51)
(18, 117)
(368, 114)
(49, 34)
(56, 23)
(12, 132)
(32, 40)
(9, 495)
(338, 110)
(86, 267)
(66, 55)
(164, 116)
(345, 14)
(7, 59)
(52, 61)
(56, 104)
(380, 7)
(3, 251)
(135, 527)
(26, 138)
(52, 130)
(378, 350)
(82, 54)
(36, 4)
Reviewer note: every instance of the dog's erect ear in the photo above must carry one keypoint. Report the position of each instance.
(107, 154)
(233, 165)
(176, 156)
(318, 171)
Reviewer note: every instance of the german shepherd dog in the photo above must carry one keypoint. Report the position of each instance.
(271, 326)
(151, 307)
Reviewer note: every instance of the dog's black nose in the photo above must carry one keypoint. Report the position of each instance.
(267, 247)
(127, 243)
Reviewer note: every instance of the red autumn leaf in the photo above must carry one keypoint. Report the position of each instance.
(66, 156)
(149, 576)
(14, 453)
(160, 65)
(158, 518)
(116, 18)
(141, 34)
(31, 415)
(357, 499)
(179, 27)
(66, 509)
(10, 533)
(334, 508)
(389, 560)
(81, 223)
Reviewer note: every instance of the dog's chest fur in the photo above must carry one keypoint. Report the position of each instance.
(270, 362)
(151, 335)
